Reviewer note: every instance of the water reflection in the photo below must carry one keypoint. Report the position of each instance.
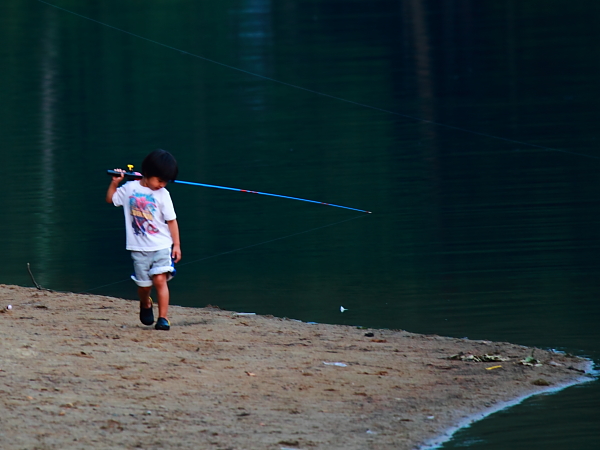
(254, 45)
(49, 102)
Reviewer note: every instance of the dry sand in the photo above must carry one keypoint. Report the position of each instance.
(80, 372)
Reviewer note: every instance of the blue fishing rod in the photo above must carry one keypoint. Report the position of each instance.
(130, 175)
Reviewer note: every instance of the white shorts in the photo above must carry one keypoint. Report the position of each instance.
(148, 264)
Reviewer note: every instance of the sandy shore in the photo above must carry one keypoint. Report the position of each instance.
(80, 372)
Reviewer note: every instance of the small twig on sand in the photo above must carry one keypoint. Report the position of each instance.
(33, 279)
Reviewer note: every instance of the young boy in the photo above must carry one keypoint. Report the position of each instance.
(151, 230)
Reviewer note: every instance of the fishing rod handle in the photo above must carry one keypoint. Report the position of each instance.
(128, 175)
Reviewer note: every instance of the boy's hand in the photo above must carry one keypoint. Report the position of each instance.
(174, 229)
(176, 254)
(116, 178)
(114, 183)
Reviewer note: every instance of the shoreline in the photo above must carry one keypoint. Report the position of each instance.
(440, 440)
(82, 372)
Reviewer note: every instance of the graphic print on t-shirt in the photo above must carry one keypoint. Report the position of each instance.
(142, 207)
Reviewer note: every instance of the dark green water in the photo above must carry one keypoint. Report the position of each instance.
(478, 230)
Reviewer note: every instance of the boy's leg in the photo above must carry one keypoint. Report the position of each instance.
(144, 296)
(162, 293)
(146, 314)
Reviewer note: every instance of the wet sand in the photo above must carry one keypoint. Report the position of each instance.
(81, 372)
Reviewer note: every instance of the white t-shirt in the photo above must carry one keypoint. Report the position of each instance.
(146, 215)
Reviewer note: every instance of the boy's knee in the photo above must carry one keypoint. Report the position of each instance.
(159, 279)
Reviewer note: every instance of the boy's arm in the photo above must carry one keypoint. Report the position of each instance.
(174, 229)
(114, 184)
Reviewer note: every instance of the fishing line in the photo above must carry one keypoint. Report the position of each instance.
(272, 240)
(294, 86)
(228, 252)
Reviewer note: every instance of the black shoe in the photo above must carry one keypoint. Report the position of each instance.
(146, 315)
(162, 324)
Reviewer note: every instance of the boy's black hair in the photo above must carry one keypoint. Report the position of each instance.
(160, 163)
